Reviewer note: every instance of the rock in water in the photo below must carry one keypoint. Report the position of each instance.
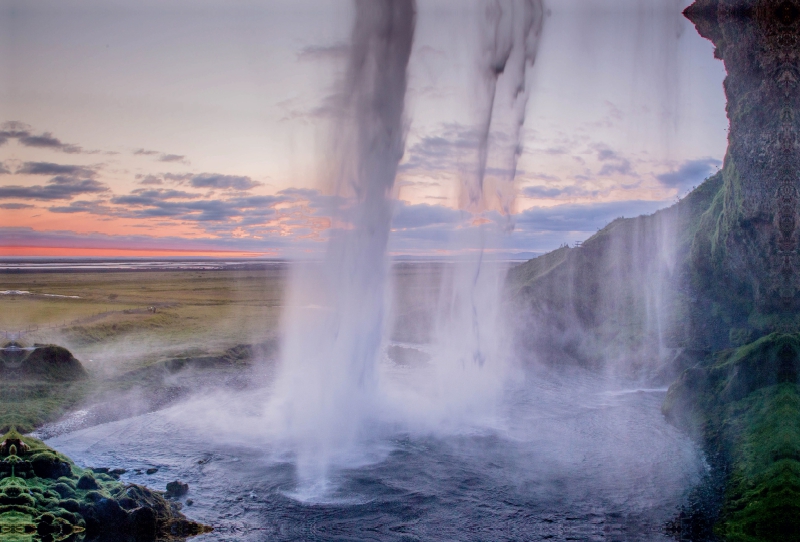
(44, 494)
(176, 489)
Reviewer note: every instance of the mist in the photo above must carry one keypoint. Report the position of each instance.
(465, 386)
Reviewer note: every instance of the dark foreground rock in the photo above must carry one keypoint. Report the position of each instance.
(44, 496)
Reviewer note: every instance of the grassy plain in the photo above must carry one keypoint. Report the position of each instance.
(150, 337)
(121, 320)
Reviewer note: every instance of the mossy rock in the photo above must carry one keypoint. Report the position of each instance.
(744, 405)
(44, 496)
(45, 363)
(39, 385)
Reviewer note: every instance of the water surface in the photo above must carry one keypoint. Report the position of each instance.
(565, 458)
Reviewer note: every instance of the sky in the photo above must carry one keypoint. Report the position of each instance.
(206, 128)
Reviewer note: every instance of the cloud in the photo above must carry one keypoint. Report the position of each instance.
(689, 173)
(15, 206)
(614, 164)
(553, 192)
(583, 217)
(408, 216)
(58, 188)
(149, 180)
(14, 129)
(163, 156)
(177, 177)
(171, 158)
(226, 182)
(47, 140)
(324, 52)
(28, 237)
(543, 192)
(152, 197)
(180, 205)
(3, 169)
(441, 152)
(48, 168)
(23, 134)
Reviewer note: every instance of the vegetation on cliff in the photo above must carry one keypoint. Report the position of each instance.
(709, 287)
(744, 404)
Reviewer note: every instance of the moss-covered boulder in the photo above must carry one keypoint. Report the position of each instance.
(744, 405)
(47, 362)
(45, 497)
(38, 384)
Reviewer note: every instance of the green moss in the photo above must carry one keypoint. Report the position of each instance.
(744, 404)
(39, 386)
(52, 499)
(536, 268)
(763, 496)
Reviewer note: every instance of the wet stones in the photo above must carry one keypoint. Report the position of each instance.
(176, 489)
(43, 494)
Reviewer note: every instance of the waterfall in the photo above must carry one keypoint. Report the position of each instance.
(335, 317)
(471, 340)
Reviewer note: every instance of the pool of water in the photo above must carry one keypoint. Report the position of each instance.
(563, 458)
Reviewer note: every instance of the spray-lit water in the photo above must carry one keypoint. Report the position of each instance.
(335, 317)
(566, 457)
(335, 324)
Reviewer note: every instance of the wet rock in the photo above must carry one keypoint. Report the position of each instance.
(46, 496)
(116, 473)
(151, 470)
(87, 481)
(177, 489)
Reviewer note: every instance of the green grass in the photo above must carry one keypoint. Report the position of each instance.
(110, 329)
(27, 406)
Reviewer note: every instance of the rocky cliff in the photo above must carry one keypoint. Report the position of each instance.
(751, 243)
(709, 287)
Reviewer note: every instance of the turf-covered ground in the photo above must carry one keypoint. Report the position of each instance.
(117, 321)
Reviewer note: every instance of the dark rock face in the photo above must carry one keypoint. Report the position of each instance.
(755, 239)
(177, 489)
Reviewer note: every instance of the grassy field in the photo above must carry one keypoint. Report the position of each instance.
(116, 321)
(148, 337)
